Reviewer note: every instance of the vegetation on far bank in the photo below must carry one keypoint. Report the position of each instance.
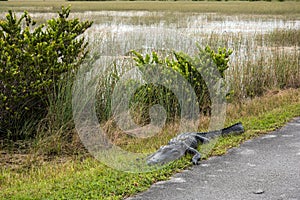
(284, 9)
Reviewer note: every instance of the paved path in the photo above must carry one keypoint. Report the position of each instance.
(265, 168)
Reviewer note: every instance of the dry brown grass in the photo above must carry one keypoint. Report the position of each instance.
(273, 99)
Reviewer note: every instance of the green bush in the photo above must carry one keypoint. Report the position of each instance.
(191, 68)
(32, 62)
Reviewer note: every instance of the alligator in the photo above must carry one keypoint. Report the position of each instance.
(188, 143)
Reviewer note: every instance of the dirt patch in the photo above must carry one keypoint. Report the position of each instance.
(20, 155)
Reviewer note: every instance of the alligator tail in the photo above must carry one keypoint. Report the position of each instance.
(233, 129)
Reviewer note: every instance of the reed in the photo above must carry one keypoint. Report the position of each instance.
(283, 37)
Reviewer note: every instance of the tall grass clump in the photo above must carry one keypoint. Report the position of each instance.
(33, 61)
(260, 62)
(56, 134)
(272, 70)
(283, 37)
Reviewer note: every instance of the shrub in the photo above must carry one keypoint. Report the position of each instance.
(193, 69)
(32, 62)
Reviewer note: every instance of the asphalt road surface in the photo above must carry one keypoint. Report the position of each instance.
(265, 168)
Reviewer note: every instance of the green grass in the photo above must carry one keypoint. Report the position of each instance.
(232, 7)
(89, 179)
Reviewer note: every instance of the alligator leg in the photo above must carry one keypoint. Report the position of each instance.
(196, 157)
(203, 139)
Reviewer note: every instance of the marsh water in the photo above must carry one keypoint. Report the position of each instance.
(181, 31)
(199, 27)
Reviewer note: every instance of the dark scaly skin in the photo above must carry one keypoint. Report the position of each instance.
(188, 143)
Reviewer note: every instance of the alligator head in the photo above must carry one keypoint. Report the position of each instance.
(167, 154)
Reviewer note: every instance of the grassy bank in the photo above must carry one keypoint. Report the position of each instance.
(232, 7)
(77, 178)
